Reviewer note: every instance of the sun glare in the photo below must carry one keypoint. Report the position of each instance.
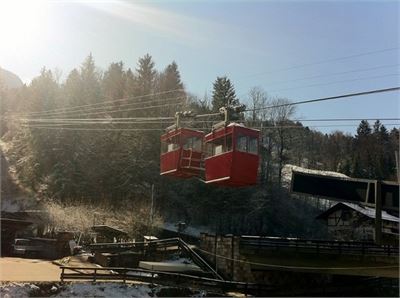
(21, 22)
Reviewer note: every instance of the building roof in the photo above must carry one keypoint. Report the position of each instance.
(104, 229)
(364, 210)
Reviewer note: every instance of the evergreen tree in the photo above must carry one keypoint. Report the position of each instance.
(91, 91)
(364, 167)
(170, 83)
(114, 81)
(146, 75)
(223, 94)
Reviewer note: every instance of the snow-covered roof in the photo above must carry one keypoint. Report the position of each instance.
(288, 169)
(364, 210)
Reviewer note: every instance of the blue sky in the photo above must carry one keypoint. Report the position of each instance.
(255, 43)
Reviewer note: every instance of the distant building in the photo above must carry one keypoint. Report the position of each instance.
(347, 221)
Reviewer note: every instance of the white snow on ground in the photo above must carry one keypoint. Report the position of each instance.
(180, 261)
(12, 290)
(100, 289)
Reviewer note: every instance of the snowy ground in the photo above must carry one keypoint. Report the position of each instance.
(105, 289)
(12, 290)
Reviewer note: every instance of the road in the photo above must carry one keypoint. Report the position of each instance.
(20, 269)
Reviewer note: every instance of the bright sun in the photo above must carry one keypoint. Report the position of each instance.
(22, 23)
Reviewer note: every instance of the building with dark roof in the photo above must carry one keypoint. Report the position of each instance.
(347, 221)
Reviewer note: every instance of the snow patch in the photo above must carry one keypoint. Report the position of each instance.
(12, 290)
(288, 169)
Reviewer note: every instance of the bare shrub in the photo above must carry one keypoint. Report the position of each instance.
(134, 219)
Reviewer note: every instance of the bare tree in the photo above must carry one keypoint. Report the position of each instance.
(279, 117)
(258, 98)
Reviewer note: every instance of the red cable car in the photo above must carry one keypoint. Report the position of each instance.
(181, 153)
(232, 156)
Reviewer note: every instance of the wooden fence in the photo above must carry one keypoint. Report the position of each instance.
(96, 274)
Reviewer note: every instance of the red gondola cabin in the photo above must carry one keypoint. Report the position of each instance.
(232, 156)
(181, 153)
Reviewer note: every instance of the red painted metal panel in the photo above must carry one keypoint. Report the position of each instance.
(218, 167)
(170, 162)
(183, 163)
(244, 169)
(233, 168)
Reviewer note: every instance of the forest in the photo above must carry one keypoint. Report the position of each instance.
(92, 140)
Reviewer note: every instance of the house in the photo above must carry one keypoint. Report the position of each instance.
(348, 221)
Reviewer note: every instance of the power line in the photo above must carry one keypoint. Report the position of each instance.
(107, 101)
(112, 106)
(95, 129)
(281, 105)
(60, 123)
(62, 127)
(320, 62)
(336, 82)
(106, 108)
(95, 119)
(171, 120)
(332, 74)
(126, 110)
(327, 98)
(346, 119)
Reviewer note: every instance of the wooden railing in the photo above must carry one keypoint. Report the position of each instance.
(96, 274)
(319, 246)
(121, 246)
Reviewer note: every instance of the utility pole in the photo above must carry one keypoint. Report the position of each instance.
(151, 208)
(396, 155)
(378, 212)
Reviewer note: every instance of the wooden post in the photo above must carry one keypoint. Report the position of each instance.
(378, 213)
(232, 256)
(62, 274)
(94, 276)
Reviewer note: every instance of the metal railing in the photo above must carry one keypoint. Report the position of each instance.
(319, 246)
(156, 245)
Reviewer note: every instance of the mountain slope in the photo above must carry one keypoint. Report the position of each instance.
(9, 79)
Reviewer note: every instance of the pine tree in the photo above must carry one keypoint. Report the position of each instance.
(114, 81)
(364, 147)
(171, 78)
(171, 87)
(146, 75)
(223, 94)
(90, 76)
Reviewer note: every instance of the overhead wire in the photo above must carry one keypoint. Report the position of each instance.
(337, 82)
(113, 108)
(213, 114)
(95, 119)
(107, 101)
(327, 98)
(126, 110)
(62, 127)
(331, 74)
(160, 119)
(319, 62)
